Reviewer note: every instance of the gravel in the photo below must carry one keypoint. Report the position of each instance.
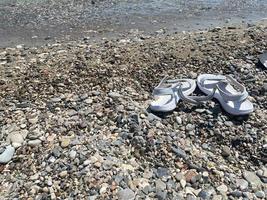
(76, 112)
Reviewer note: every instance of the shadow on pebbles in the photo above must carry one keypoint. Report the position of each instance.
(74, 120)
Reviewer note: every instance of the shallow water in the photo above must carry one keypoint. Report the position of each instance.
(23, 20)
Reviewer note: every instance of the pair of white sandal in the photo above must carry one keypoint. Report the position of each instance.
(230, 93)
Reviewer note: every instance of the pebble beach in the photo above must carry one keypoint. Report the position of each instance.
(75, 123)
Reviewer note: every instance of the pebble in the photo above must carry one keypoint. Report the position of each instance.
(203, 194)
(264, 87)
(33, 120)
(226, 151)
(160, 185)
(190, 127)
(63, 174)
(179, 152)
(222, 188)
(183, 183)
(126, 194)
(49, 181)
(228, 123)
(114, 95)
(16, 145)
(56, 152)
(241, 184)
(65, 142)
(190, 175)
(161, 171)
(252, 178)
(260, 194)
(205, 174)
(236, 194)
(161, 195)
(151, 117)
(178, 120)
(34, 143)
(55, 99)
(179, 176)
(73, 154)
(17, 138)
(7, 155)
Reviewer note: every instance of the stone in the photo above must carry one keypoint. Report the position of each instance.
(63, 174)
(203, 194)
(88, 101)
(236, 193)
(56, 152)
(16, 138)
(190, 127)
(217, 197)
(178, 120)
(16, 145)
(179, 176)
(162, 172)
(205, 174)
(260, 194)
(94, 197)
(34, 177)
(161, 195)
(49, 181)
(65, 142)
(7, 155)
(183, 183)
(151, 117)
(241, 184)
(55, 99)
(103, 188)
(33, 120)
(229, 123)
(72, 154)
(34, 143)
(87, 162)
(114, 95)
(252, 178)
(226, 151)
(160, 185)
(179, 152)
(193, 75)
(222, 188)
(264, 87)
(126, 194)
(189, 175)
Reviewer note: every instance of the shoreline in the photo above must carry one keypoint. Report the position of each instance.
(36, 24)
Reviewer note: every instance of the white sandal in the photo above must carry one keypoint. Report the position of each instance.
(231, 94)
(263, 59)
(166, 93)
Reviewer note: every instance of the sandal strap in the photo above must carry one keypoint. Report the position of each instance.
(240, 96)
(161, 89)
(195, 99)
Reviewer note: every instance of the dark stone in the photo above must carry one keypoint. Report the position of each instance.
(236, 193)
(162, 172)
(203, 194)
(161, 195)
(179, 152)
(56, 152)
